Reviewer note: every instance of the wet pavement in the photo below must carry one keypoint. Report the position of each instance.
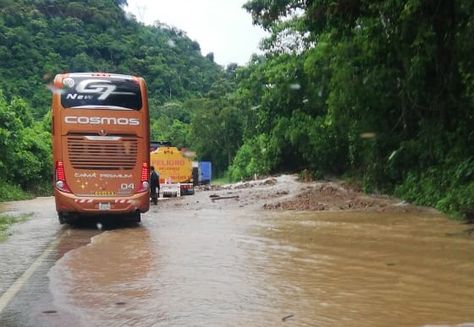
(198, 262)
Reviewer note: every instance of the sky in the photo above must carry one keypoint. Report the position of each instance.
(219, 26)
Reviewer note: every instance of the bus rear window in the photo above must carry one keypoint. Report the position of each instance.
(87, 91)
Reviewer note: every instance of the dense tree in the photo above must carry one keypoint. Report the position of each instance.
(216, 131)
(381, 90)
(26, 155)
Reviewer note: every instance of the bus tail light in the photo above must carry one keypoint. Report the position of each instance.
(144, 184)
(60, 175)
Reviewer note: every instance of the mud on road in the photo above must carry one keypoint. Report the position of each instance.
(262, 253)
(287, 193)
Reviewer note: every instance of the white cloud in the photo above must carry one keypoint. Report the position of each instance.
(219, 26)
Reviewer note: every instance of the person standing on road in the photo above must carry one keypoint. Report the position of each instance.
(154, 185)
(158, 184)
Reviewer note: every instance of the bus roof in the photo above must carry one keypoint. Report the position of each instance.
(96, 74)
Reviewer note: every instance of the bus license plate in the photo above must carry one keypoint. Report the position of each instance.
(104, 206)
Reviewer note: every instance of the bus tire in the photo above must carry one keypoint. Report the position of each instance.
(135, 217)
(61, 218)
(67, 218)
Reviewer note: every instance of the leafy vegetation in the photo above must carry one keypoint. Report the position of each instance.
(25, 159)
(380, 90)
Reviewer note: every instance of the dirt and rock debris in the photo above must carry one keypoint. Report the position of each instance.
(287, 192)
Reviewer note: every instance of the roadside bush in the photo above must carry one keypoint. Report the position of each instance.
(41, 188)
(446, 187)
(33, 163)
(25, 159)
(255, 156)
(459, 202)
(10, 192)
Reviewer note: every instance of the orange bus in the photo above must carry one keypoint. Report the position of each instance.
(101, 142)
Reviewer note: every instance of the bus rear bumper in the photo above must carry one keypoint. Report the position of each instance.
(70, 203)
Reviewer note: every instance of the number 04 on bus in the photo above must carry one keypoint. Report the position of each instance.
(100, 145)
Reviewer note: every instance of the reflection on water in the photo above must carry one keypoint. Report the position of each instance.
(238, 268)
(110, 274)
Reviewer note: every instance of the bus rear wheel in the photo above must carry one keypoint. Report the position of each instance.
(61, 218)
(135, 217)
(65, 218)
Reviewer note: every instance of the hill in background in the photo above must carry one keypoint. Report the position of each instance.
(39, 39)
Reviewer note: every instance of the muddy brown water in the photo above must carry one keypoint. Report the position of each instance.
(238, 267)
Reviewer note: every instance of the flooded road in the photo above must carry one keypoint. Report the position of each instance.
(220, 264)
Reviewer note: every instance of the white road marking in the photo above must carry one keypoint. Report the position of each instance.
(8, 296)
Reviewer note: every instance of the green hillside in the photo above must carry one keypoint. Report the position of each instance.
(42, 38)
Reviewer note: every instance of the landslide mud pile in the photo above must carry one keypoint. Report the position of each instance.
(286, 192)
(330, 196)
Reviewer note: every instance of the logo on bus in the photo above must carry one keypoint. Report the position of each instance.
(94, 87)
(84, 120)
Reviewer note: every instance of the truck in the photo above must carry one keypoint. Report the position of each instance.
(205, 172)
(175, 169)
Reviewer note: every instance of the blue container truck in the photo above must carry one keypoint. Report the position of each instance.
(205, 172)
